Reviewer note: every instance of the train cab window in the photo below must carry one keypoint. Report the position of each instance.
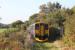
(46, 30)
(46, 26)
(37, 26)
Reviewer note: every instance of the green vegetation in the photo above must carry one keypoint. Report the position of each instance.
(15, 36)
(2, 30)
(58, 16)
(8, 30)
(44, 46)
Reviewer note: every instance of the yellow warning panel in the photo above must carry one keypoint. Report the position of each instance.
(42, 30)
(37, 31)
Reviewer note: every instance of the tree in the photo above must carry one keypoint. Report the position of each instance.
(73, 9)
(50, 7)
(69, 11)
(17, 23)
(33, 18)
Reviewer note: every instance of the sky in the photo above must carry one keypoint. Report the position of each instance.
(12, 10)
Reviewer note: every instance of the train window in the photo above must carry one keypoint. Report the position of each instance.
(46, 26)
(37, 26)
(46, 29)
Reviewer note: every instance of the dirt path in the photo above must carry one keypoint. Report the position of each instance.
(61, 46)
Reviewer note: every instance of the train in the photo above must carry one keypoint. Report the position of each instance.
(41, 31)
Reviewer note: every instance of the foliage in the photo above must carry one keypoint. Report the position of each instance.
(17, 23)
(63, 17)
(51, 13)
(33, 18)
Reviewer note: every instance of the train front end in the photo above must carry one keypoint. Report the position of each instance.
(41, 32)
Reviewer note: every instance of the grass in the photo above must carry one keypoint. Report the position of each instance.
(6, 30)
(44, 46)
(2, 30)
